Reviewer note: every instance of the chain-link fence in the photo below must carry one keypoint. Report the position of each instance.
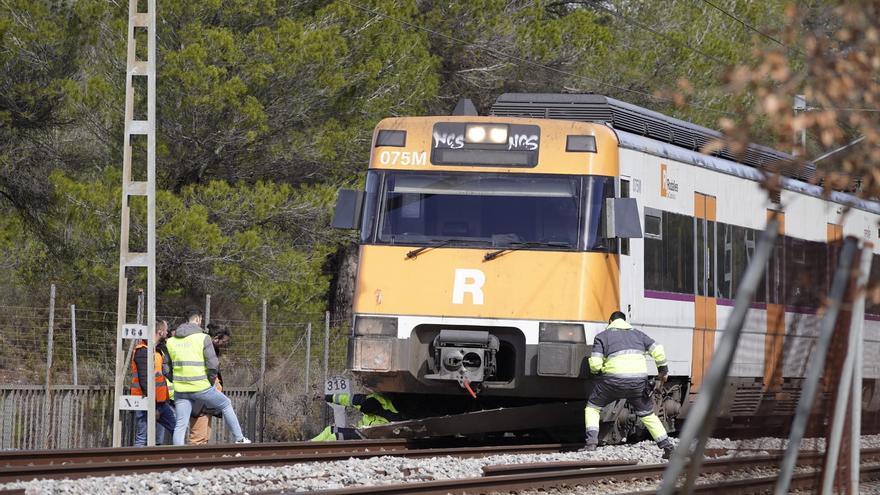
(286, 376)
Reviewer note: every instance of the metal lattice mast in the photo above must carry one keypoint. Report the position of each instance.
(146, 69)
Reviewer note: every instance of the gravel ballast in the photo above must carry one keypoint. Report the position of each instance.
(377, 470)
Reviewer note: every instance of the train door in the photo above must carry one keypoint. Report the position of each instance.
(774, 340)
(705, 300)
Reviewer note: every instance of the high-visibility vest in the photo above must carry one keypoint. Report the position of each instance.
(620, 351)
(161, 384)
(188, 361)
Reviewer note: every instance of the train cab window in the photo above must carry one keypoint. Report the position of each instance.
(371, 196)
(481, 210)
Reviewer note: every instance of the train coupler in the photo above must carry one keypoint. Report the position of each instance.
(465, 356)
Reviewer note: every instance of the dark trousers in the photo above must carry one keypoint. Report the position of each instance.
(165, 418)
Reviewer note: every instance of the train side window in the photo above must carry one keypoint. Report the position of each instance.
(872, 304)
(653, 223)
(669, 252)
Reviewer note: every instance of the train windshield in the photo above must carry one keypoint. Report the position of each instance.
(484, 210)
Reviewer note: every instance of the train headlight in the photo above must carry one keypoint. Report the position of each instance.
(374, 325)
(481, 134)
(561, 332)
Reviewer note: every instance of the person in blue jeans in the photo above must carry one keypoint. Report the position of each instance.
(139, 371)
(195, 367)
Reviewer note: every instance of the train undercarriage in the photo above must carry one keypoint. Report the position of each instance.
(468, 381)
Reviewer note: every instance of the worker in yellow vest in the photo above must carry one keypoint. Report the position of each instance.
(195, 367)
(618, 360)
(376, 409)
(139, 376)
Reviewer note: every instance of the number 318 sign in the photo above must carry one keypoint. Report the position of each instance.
(337, 385)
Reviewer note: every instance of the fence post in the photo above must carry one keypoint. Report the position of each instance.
(326, 344)
(46, 404)
(326, 360)
(263, 373)
(73, 342)
(207, 310)
(308, 355)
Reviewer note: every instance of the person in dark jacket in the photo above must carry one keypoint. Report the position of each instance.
(618, 359)
(165, 416)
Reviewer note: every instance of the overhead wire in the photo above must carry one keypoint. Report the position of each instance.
(750, 27)
(504, 55)
(659, 34)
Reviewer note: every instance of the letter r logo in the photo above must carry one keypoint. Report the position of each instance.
(468, 280)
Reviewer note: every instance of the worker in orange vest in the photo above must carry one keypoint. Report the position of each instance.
(165, 416)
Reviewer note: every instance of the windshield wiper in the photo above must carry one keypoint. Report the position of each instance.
(436, 244)
(494, 254)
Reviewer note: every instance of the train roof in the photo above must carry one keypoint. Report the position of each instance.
(652, 132)
(641, 121)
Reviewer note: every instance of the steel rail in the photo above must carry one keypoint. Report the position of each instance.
(799, 481)
(544, 477)
(537, 479)
(34, 457)
(173, 459)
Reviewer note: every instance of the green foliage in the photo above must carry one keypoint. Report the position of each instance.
(266, 106)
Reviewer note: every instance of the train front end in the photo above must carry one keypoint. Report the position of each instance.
(488, 258)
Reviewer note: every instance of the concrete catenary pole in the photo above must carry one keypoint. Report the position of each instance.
(145, 69)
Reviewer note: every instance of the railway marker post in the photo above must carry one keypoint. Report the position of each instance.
(138, 22)
(700, 420)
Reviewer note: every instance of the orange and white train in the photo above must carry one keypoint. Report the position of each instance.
(493, 248)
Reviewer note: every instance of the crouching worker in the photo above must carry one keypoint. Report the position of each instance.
(376, 409)
(618, 358)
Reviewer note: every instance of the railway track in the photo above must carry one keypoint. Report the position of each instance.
(565, 474)
(23, 466)
(54, 464)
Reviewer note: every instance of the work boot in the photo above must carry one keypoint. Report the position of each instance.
(667, 451)
(590, 447)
